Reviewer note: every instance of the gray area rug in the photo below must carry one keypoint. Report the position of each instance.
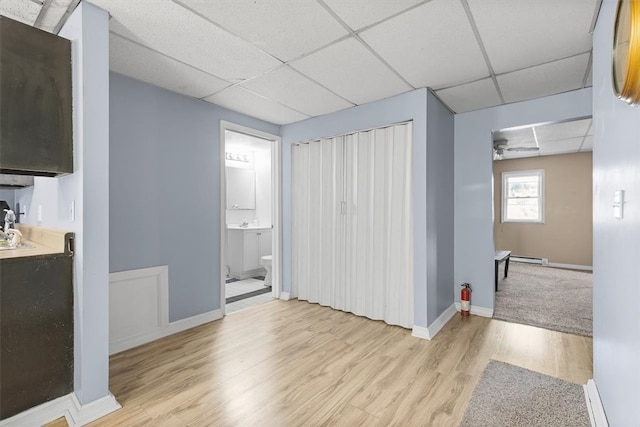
(551, 298)
(510, 396)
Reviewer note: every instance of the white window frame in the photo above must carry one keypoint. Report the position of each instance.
(505, 177)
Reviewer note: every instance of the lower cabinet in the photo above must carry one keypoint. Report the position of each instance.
(245, 248)
(36, 331)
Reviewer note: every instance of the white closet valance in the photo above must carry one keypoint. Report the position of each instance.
(352, 223)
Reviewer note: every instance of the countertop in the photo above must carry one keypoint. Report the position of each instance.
(39, 241)
(32, 249)
(249, 227)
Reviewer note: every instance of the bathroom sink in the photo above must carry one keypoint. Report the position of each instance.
(4, 246)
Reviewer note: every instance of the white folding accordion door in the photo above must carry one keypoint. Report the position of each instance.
(352, 223)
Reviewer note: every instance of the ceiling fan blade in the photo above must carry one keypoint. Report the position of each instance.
(522, 148)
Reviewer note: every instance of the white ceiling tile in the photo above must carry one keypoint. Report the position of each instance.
(471, 96)
(288, 87)
(516, 138)
(352, 71)
(360, 13)
(173, 30)
(130, 59)
(20, 10)
(521, 33)
(589, 82)
(432, 45)
(53, 15)
(238, 99)
(535, 82)
(556, 131)
(587, 145)
(284, 28)
(562, 146)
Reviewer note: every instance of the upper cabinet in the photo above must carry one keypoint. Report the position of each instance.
(36, 128)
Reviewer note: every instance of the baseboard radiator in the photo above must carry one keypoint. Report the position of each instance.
(529, 260)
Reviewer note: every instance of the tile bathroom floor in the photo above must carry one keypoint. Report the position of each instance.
(242, 287)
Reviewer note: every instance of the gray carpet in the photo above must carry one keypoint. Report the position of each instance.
(551, 298)
(510, 396)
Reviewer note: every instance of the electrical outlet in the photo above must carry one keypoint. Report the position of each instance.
(39, 213)
(72, 211)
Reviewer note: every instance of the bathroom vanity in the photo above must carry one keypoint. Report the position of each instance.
(36, 320)
(245, 247)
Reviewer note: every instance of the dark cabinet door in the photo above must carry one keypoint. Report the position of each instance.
(36, 331)
(36, 131)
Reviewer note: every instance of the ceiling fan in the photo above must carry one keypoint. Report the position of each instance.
(501, 145)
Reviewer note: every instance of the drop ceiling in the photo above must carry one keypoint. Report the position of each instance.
(545, 140)
(287, 60)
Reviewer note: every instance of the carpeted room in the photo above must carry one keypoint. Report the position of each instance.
(543, 231)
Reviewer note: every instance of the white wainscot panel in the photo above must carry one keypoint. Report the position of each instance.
(138, 307)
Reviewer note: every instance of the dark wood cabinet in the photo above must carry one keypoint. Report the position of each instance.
(36, 331)
(36, 125)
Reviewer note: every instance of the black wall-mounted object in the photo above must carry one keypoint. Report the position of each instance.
(36, 124)
(36, 330)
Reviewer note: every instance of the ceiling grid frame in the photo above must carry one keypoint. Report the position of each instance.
(476, 32)
(149, 48)
(377, 16)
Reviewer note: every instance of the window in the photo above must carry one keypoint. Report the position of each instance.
(522, 196)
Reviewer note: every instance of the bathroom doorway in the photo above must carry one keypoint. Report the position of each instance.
(250, 211)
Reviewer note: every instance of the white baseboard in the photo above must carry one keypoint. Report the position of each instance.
(66, 406)
(571, 266)
(192, 322)
(170, 329)
(478, 311)
(286, 296)
(429, 332)
(594, 405)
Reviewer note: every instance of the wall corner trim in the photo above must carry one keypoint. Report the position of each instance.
(285, 296)
(594, 405)
(430, 332)
(478, 311)
(67, 406)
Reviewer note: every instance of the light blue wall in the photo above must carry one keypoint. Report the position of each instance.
(616, 268)
(88, 188)
(440, 202)
(165, 189)
(404, 107)
(474, 247)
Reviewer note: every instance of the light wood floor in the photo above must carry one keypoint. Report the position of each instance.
(299, 364)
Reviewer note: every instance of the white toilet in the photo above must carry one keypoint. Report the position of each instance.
(265, 261)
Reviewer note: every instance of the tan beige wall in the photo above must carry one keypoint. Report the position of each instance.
(566, 235)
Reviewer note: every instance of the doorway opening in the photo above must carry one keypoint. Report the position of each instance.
(543, 225)
(250, 244)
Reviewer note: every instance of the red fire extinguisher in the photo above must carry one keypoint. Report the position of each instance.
(465, 299)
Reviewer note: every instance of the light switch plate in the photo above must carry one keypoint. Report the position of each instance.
(618, 203)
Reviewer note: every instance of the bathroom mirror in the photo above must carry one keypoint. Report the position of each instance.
(241, 188)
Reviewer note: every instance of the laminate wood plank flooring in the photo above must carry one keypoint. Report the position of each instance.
(292, 363)
(60, 422)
